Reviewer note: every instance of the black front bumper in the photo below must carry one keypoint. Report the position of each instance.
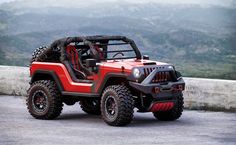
(167, 91)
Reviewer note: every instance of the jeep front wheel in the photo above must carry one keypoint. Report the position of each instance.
(117, 105)
(44, 100)
(172, 114)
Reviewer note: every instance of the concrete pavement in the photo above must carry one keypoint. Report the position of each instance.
(17, 127)
(203, 94)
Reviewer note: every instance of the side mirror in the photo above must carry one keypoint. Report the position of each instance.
(90, 63)
(146, 57)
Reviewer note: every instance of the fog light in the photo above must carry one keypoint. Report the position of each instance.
(178, 88)
(156, 90)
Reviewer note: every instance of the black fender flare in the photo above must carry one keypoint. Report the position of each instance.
(46, 74)
(109, 76)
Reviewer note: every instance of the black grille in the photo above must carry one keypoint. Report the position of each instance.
(161, 76)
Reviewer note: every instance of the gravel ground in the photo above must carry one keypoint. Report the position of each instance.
(17, 127)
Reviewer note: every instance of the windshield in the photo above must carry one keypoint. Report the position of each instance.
(115, 49)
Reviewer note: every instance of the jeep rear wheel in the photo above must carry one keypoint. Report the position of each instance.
(91, 106)
(44, 100)
(117, 105)
(172, 114)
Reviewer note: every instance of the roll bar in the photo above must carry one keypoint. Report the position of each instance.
(62, 43)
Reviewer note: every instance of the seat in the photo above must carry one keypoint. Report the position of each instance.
(101, 55)
(73, 56)
(74, 60)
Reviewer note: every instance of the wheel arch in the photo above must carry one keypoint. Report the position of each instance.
(47, 75)
(112, 79)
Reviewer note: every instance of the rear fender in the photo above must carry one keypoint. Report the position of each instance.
(46, 75)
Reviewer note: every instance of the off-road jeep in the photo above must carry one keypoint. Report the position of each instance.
(107, 75)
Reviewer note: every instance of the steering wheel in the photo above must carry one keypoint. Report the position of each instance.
(117, 54)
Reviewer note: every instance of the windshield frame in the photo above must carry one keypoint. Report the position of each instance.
(105, 49)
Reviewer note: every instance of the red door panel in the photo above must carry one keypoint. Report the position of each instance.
(64, 76)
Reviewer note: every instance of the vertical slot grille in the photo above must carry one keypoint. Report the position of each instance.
(162, 76)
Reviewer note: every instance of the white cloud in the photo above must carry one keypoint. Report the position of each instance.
(4, 1)
(78, 3)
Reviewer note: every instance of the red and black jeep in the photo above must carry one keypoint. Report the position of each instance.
(107, 75)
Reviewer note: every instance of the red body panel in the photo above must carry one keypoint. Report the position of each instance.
(63, 75)
(113, 66)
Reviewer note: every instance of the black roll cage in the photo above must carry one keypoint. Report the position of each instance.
(59, 46)
(88, 40)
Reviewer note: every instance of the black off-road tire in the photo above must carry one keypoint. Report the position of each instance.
(53, 99)
(91, 106)
(37, 52)
(172, 114)
(124, 105)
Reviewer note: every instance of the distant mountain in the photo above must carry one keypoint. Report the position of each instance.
(198, 39)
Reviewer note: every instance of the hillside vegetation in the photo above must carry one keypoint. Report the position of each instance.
(199, 41)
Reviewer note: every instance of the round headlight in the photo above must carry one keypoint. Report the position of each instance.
(170, 67)
(136, 73)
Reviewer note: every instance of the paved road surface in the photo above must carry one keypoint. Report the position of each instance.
(17, 127)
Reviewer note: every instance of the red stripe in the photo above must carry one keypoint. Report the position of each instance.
(168, 106)
(158, 107)
(164, 106)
